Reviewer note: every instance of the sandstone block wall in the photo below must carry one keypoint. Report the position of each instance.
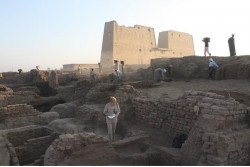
(137, 46)
(180, 43)
(17, 110)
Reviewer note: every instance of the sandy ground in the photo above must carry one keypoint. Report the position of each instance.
(176, 88)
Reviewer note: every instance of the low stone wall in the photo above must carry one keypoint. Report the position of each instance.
(17, 110)
(30, 143)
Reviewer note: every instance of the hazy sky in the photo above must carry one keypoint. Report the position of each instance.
(50, 33)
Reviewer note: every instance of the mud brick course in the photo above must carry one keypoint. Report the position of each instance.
(17, 110)
(29, 143)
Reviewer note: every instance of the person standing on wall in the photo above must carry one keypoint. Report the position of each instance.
(231, 46)
(206, 40)
(111, 111)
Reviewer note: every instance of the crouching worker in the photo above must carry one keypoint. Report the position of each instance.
(111, 110)
(159, 74)
(212, 66)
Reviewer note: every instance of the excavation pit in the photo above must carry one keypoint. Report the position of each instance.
(30, 143)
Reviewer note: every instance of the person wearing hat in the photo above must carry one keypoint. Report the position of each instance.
(111, 111)
(231, 46)
(212, 66)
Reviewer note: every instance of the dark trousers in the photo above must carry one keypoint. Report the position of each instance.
(211, 72)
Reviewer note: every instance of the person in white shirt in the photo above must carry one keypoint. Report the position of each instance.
(111, 110)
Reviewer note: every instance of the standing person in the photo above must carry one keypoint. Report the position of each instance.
(20, 71)
(206, 49)
(231, 46)
(117, 71)
(111, 110)
(92, 75)
(212, 66)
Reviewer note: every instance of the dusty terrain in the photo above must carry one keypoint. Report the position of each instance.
(176, 88)
(59, 120)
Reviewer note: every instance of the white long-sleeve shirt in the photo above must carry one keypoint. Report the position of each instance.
(111, 109)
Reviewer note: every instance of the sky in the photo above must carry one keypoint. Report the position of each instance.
(50, 33)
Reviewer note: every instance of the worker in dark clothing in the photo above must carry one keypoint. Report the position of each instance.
(231, 46)
(206, 49)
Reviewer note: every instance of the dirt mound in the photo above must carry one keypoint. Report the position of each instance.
(197, 67)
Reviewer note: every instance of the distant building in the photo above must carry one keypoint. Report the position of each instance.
(80, 68)
(136, 46)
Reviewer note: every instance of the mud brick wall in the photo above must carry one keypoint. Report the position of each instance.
(30, 143)
(91, 113)
(126, 93)
(78, 91)
(17, 110)
(13, 157)
(100, 93)
(18, 98)
(226, 149)
(3, 100)
(15, 78)
(221, 134)
(177, 116)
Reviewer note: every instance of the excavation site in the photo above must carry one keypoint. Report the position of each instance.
(185, 119)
